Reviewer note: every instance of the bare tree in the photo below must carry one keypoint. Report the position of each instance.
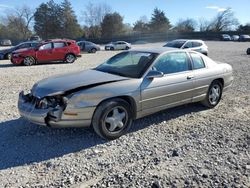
(18, 22)
(204, 25)
(186, 25)
(26, 14)
(224, 21)
(93, 16)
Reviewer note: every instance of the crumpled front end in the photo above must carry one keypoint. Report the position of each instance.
(52, 111)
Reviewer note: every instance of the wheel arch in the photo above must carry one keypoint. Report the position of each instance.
(126, 98)
(221, 80)
(69, 53)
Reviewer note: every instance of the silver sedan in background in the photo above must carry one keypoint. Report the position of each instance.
(119, 45)
(128, 86)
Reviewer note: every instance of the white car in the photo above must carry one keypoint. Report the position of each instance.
(119, 45)
(195, 45)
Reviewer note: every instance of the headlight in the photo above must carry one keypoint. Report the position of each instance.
(51, 102)
(43, 104)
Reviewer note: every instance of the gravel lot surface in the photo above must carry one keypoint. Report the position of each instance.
(187, 146)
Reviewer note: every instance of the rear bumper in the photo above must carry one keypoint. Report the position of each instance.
(44, 116)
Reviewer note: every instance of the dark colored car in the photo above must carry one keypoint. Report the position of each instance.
(48, 51)
(35, 38)
(248, 51)
(89, 47)
(5, 42)
(226, 37)
(6, 53)
(244, 38)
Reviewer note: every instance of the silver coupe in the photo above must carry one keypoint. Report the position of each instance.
(128, 86)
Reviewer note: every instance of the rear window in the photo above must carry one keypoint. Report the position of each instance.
(197, 44)
(197, 60)
(59, 44)
(175, 44)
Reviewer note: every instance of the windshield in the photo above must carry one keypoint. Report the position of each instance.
(175, 44)
(128, 64)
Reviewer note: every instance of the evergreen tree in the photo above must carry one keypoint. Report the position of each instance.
(112, 25)
(71, 28)
(159, 22)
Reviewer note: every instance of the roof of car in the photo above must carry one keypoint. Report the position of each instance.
(196, 40)
(58, 40)
(156, 50)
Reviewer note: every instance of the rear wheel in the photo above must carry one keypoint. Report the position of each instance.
(93, 50)
(112, 48)
(28, 61)
(112, 119)
(70, 58)
(213, 95)
(248, 51)
(8, 56)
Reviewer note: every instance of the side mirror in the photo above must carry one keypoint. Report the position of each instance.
(154, 74)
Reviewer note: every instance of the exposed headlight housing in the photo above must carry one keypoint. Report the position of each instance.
(43, 104)
(51, 102)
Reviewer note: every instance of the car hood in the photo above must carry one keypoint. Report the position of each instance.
(62, 84)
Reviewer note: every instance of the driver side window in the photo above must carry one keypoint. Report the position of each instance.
(172, 63)
(46, 46)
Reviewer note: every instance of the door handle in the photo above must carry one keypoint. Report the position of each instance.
(190, 77)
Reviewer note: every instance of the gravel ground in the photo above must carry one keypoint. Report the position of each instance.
(187, 146)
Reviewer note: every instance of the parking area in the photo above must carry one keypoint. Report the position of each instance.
(180, 146)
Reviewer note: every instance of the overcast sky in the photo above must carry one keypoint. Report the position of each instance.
(132, 10)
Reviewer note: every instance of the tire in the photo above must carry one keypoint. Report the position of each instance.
(112, 48)
(29, 61)
(127, 48)
(8, 56)
(70, 58)
(93, 50)
(116, 112)
(214, 94)
(248, 51)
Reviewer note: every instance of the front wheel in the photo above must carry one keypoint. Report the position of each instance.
(112, 119)
(248, 51)
(28, 61)
(70, 58)
(213, 95)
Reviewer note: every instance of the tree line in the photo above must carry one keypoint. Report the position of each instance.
(58, 20)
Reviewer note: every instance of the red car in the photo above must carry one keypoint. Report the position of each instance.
(47, 51)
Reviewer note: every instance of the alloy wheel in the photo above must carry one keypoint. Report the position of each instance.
(116, 119)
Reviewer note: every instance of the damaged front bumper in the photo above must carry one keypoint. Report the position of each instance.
(54, 117)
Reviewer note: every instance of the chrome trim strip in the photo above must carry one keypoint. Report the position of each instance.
(173, 93)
